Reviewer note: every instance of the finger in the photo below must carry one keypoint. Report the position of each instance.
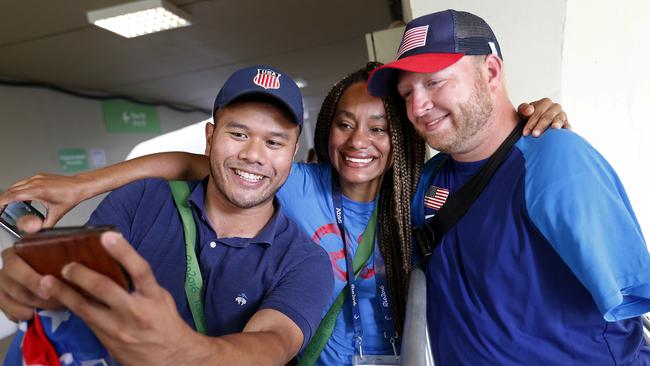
(525, 110)
(94, 314)
(100, 287)
(560, 121)
(25, 192)
(13, 292)
(15, 310)
(137, 267)
(29, 223)
(546, 118)
(52, 217)
(21, 272)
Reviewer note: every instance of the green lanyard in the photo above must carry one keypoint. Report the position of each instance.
(193, 279)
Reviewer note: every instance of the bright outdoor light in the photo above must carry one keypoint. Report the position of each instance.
(138, 18)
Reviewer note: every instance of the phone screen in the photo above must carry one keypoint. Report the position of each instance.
(14, 211)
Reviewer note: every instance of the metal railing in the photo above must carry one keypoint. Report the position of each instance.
(416, 343)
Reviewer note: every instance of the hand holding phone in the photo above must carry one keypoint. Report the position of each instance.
(11, 213)
(48, 251)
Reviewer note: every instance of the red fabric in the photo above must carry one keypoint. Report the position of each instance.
(37, 349)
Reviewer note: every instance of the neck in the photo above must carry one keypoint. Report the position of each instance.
(361, 192)
(229, 220)
(490, 137)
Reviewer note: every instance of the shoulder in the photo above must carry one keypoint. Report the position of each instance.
(139, 188)
(303, 172)
(563, 157)
(304, 182)
(557, 147)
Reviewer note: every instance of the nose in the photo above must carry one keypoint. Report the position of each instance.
(420, 103)
(359, 139)
(253, 152)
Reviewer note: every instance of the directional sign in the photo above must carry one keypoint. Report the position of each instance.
(126, 117)
(73, 160)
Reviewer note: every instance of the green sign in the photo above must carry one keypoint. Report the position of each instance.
(73, 160)
(126, 117)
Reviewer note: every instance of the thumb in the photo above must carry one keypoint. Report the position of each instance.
(526, 109)
(29, 223)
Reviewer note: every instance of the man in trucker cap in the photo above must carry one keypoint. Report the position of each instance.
(548, 266)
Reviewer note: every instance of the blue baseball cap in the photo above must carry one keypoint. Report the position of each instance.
(434, 42)
(265, 80)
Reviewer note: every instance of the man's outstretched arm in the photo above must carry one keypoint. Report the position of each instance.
(144, 328)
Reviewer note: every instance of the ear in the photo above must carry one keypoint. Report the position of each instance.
(494, 69)
(296, 150)
(209, 131)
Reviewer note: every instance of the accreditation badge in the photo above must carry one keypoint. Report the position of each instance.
(376, 360)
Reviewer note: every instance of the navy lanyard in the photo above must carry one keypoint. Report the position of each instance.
(380, 278)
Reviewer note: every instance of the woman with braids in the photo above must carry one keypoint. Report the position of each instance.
(370, 160)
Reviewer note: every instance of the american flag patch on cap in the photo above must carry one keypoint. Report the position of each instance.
(267, 79)
(435, 197)
(413, 38)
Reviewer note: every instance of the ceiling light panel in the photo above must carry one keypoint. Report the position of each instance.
(138, 18)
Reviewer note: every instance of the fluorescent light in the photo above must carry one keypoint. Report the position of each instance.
(138, 18)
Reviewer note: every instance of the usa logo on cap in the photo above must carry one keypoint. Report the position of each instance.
(267, 79)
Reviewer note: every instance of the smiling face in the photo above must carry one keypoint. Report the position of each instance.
(448, 108)
(359, 143)
(251, 147)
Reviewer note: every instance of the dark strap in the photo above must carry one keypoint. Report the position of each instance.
(429, 235)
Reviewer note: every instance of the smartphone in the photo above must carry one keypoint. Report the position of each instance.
(12, 212)
(49, 250)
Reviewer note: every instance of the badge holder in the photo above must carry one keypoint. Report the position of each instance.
(377, 360)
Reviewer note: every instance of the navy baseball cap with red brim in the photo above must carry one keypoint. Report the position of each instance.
(432, 43)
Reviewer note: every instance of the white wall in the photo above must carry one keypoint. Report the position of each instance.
(606, 88)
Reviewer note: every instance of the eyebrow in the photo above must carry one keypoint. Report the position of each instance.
(376, 117)
(282, 135)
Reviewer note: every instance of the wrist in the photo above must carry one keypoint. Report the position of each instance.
(86, 186)
(193, 348)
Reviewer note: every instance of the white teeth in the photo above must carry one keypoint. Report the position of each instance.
(248, 176)
(360, 161)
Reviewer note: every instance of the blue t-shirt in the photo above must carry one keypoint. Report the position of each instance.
(547, 267)
(307, 199)
(280, 268)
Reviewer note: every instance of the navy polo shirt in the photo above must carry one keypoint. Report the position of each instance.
(280, 268)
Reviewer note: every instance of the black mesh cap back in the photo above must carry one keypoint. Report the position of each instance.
(473, 35)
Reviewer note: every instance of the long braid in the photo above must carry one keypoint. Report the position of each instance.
(397, 188)
(395, 235)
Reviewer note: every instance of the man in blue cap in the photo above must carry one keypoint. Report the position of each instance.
(247, 293)
(548, 266)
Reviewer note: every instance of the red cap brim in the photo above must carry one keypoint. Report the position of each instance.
(383, 78)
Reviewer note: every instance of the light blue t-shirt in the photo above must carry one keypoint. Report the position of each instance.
(306, 198)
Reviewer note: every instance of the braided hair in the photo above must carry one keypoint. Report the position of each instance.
(397, 188)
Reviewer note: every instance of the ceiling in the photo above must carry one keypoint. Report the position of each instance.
(319, 41)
